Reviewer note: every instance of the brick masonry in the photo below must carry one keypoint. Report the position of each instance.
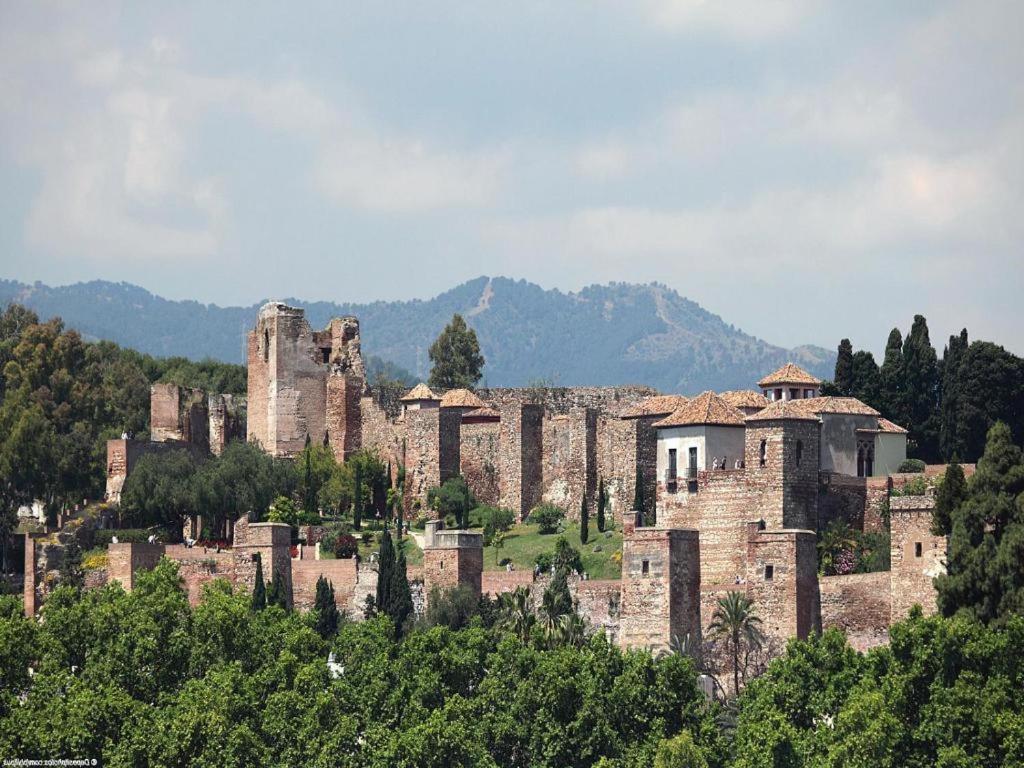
(782, 581)
(916, 556)
(455, 559)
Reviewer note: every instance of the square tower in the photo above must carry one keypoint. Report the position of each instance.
(782, 581)
(454, 558)
(916, 555)
(660, 588)
(782, 458)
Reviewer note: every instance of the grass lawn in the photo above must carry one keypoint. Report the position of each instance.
(413, 554)
(523, 543)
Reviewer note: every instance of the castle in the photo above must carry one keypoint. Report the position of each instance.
(737, 484)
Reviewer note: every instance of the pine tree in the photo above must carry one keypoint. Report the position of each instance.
(892, 395)
(456, 357)
(984, 570)
(401, 596)
(259, 590)
(843, 378)
(948, 496)
(357, 505)
(921, 390)
(584, 520)
(385, 565)
(326, 609)
(602, 500)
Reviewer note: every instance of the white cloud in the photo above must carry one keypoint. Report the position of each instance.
(603, 160)
(744, 20)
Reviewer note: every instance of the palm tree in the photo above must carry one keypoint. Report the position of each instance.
(834, 540)
(735, 619)
(516, 613)
(570, 630)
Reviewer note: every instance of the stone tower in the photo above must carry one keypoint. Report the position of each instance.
(782, 458)
(304, 382)
(454, 558)
(917, 555)
(660, 588)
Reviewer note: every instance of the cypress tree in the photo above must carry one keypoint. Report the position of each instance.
(843, 378)
(867, 382)
(401, 597)
(638, 493)
(948, 496)
(357, 506)
(326, 609)
(892, 400)
(602, 500)
(277, 593)
(584, 519)
(921, 390)
(259, 590)
(385, 565)
(950, 442)
(308, 495)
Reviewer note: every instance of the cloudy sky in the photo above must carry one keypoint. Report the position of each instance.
(808, 170)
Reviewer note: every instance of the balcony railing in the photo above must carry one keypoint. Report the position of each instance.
(690, 473)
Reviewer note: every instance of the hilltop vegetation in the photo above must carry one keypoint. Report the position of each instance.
(602, 335)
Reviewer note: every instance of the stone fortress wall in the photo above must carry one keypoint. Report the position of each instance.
(751, 527)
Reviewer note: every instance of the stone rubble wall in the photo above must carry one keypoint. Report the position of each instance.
(857, 604)
(479, 459)
(912, 574)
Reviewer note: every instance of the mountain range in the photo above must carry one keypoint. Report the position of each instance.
(618, 333)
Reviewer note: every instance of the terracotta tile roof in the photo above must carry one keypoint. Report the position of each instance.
(660, 405)
(744, 398)
(884, 425)
(849, 405)
(788, 374)
(482, 413)
(420, 392)
(461, 398)
(784, 409)
(706, 408)
(812, 407)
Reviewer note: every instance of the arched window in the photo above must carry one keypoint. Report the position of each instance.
(799, 451)
(764, 452)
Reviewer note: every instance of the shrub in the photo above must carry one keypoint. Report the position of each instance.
(130, 535)
(912, 466)
(345, 546)
(547, 517)
(453, 499)
(543, 562)
(918, 486)
(567, 557)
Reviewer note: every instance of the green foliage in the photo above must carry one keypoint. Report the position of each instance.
(362, 476)
(385, 565)
(949, 495)
(984, 566)
(259, 590)
(456, 357)
(639, 502)
(602, 505)
(160, 490)
(277, 592)
(453, 500)
(911, 466)
(584, 520)
(547, 517)
(736, 622)
(679, 752)
(566, 557)
(452, 608)
(944, 692)
(843, 378)
(325, 610)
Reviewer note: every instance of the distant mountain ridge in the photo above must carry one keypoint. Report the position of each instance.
(603, 335)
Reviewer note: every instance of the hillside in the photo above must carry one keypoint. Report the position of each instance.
(603, 335)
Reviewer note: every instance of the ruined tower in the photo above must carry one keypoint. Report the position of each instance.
(304, 382)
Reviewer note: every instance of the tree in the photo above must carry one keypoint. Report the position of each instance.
(326, 609)
(308, 490)
(456, 357)
(679, 752)
(555, 603)
(515, 614)
(259, 590)
(357, 500)
(843, 378)
(277, 594)
(454, 498)
(892, 393)
(639, 502)
(735, 620)
(385, 565)
(160, 490)
(989, 388)
(984, 576)
(948, 496)
(584, 520)
(921, 390)
(400, 608)
(602, 502)
(867, 383)
(950, 443)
